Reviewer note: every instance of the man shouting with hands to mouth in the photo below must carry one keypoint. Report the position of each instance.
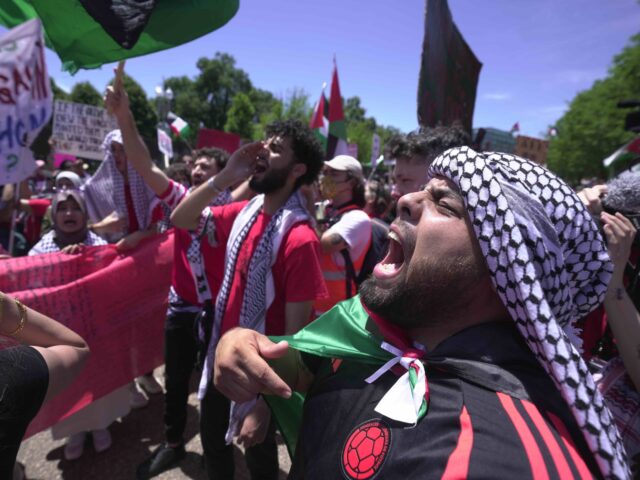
(454, 361)
(271, 278)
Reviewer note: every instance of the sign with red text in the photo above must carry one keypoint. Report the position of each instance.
(80, 129)
(116, 302)
(25, 99)
(164, 143)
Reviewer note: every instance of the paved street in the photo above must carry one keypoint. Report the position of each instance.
(134, 437)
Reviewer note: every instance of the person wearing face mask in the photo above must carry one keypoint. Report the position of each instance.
(345, 233)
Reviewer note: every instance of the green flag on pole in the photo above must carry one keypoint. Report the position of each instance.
(88, 34)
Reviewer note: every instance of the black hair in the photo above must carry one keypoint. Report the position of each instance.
(218, 155)
(305, 146)
(176, 169)
(427, 142)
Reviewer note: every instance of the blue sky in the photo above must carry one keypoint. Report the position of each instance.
(536, 55)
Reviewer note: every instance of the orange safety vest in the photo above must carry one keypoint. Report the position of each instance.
(335, 276)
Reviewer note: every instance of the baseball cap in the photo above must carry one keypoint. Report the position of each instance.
(346, 163)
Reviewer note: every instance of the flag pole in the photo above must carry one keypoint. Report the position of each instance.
(14, 217)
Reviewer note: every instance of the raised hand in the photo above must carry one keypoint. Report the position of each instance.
(620, 233)
(116, 100)
(241, 164)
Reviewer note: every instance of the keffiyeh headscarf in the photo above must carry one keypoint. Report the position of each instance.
(104, 191)
(550, 267)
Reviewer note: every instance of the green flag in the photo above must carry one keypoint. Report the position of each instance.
(88, 34)
(342, 332)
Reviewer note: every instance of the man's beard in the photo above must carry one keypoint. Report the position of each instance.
(431, 293)
(274, 179)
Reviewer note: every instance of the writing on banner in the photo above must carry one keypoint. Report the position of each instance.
(25, 99)
(116, 302)
(80, 129)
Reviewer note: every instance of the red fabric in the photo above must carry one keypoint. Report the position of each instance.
(296, 273)
(131, 211)
(335, 99)
(458, 463)
(181, 277)
(215, 138)
(570, 446)
(564, 471)
(538, 468)
(33, 222)
(116, 302)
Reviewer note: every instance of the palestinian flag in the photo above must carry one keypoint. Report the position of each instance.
(90, 33)
(180, 127)
(319, 121)
(337, 140)
(624, 156)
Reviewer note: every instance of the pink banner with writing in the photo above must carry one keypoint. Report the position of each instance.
(116, 302)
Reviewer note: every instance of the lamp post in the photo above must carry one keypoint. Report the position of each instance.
(164, 97)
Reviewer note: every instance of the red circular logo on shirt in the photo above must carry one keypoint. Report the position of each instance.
(365, 450)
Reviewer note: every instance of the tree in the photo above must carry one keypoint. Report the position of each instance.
(593, 126)
(84, 92)
(241, 116)
(296, 106)
(205, 100)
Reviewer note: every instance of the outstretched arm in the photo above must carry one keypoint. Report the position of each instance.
(63, 350)
(239, 167)
(117, 102)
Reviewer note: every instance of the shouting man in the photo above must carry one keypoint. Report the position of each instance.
(454, 362)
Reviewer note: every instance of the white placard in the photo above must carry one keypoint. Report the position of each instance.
(164, 143)
(80, 129)
(375, 150)
(25, 99)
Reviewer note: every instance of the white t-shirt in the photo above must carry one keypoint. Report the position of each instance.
(355, 229)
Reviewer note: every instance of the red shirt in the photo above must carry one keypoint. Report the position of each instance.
(297, 275)
(33, 222)
(181, 277)
(131, 211)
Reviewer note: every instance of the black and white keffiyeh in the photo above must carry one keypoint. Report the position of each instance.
(549, 265)
(260, 290)
(105, 190)
(48, 244)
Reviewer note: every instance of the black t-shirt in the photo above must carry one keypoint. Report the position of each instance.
(469, 431)
(24, 379)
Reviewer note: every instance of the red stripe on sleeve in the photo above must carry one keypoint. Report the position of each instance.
(458, 463)
(554, 449)
(536, 462)
(582, 468)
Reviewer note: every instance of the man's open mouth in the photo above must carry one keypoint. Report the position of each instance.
(392, 263)
(260, 167)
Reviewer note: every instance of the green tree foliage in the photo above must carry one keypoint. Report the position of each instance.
(296, 106)
(593, 126)
(360, 128)
(40, 145)
(84, 92)
(241, 116)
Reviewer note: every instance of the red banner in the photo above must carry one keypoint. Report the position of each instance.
(215, 138)
(116, 302)
(449, 71)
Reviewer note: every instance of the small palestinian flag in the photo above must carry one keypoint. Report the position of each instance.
(337, 140)
(180, 127)
(319, 121)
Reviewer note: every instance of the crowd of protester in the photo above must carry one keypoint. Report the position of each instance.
(272, 237)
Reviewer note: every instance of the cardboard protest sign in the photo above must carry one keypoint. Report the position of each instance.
(164, 143)
(25, 99)
(116, 302)
(449, 71)
(80, 129)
